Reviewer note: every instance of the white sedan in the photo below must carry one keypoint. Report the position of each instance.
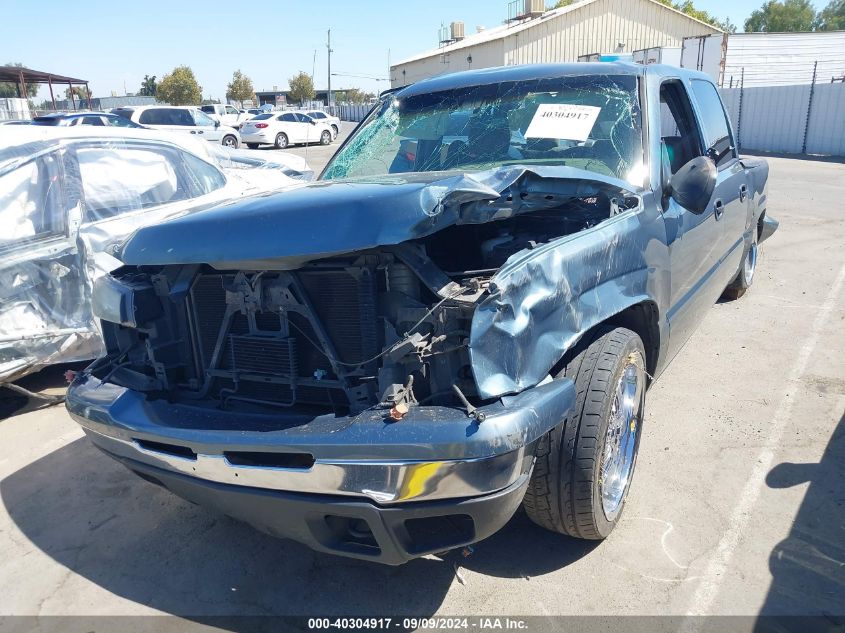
(283, 129)
(322, 117)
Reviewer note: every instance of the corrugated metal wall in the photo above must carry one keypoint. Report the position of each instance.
(598, 28)
(484, 55)
(774, 118)
(772, 59)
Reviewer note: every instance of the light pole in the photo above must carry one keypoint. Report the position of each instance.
(329, 46)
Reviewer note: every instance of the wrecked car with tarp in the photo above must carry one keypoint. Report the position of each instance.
(68, 195)
(460, 316)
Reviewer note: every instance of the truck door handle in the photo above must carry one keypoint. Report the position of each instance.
(743, 193)
(719, 208)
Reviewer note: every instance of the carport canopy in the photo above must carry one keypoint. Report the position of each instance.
(23, 76)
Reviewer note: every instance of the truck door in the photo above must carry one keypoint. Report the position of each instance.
(695, 240)
(732, 182)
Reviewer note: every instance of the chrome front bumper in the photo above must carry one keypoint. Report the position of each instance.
(433, 454)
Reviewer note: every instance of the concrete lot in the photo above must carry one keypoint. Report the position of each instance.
(738, 506)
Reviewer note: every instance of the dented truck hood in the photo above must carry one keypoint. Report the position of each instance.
(325, 218)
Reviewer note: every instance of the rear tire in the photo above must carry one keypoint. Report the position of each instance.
(335, 131)
(583, 468)
(745, 277)
(252, 145)
(281, 140)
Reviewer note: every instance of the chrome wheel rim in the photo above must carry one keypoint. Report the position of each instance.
(282, 141)
(229, 141)
(620, 444)
(750, 264)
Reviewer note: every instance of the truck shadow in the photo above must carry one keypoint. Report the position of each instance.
(808, 566)
(144, 544)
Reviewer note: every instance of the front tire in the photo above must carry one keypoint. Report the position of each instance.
(325, 137)
(230, 141)
(281, 140)
(583, 467)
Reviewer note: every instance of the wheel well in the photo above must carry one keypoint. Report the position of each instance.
(643, 319)
(760, 224)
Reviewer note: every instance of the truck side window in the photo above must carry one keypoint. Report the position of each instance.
(714, 121)
(679, 134)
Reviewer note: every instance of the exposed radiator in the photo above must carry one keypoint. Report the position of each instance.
(261, 362)
(263, 354)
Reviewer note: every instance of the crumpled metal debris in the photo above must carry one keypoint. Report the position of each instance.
(60, 230)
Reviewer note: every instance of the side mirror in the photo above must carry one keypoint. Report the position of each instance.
(313, 122)
(216, 123)
(693, 184)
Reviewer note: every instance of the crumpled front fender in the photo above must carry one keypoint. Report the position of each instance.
(543, 300)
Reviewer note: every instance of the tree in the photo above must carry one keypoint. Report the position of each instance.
(79, 93)
(301, 87)
(354, 95)
(11, 90)
(832, 17)
(562, 3)
(180, 87)
(240, 88)
(148, 87)
(779, 16)
(687, 7)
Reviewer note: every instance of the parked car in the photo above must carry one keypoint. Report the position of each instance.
(67, 194)
(98, 119)
(183, 119)
(388, 362)
(322, 117)
(16, 122)
(226, 114)
(254, 112)
(287, 128)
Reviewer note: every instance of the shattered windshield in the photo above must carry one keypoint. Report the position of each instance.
(588, 122)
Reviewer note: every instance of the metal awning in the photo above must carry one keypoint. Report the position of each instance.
(23, 76)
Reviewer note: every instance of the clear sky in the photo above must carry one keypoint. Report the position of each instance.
(113, 44)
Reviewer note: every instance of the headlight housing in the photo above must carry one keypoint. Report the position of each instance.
(131, 303)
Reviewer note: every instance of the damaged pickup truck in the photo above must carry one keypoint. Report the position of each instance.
(460, 316)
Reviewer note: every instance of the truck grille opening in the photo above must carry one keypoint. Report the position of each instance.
(167, 449)
(302, 461)
(279, 350)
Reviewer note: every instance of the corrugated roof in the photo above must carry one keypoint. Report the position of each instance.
(13, 73)
(505, 30)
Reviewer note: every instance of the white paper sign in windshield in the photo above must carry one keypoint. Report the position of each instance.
(563, 121)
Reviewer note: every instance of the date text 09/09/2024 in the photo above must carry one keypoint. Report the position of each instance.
(413, 624)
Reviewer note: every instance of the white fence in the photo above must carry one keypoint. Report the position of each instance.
(350, 112)
(14, 108)
(807, 119)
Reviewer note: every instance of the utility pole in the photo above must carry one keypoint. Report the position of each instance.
(313, 65)
(329, 46)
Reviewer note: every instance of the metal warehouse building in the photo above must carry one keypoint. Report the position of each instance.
(533, 35)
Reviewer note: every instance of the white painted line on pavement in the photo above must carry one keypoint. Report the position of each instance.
(704, 597)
